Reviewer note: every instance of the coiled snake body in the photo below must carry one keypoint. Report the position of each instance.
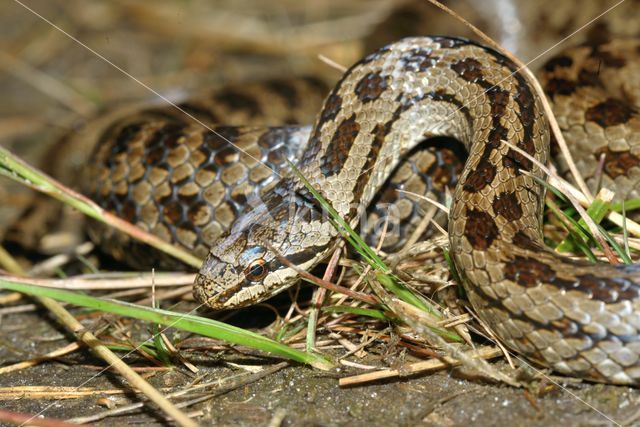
(578, 318)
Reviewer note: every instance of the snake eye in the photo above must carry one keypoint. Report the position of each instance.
(256, 270)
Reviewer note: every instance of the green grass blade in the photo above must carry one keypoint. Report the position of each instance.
(598, 210)
(626, 205)
(359, 311)
(625, 232)
(577, 234)
(616, 247)
(342, 226)
(383, 274)
(551, 188)
(188, 322)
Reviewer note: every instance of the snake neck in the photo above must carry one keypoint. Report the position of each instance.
(383, 107)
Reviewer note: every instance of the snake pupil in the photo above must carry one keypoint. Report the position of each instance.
(256, 270)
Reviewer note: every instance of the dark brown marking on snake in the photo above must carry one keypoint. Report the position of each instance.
(481, 176)
(168, 136)
(521, 240)
(558, 62)
(559, 86)
(480, 229)
(154, 155)
(238, 101)
(617, 163)
(507, 205)
(418, 59)
(607, 289)
(285, 90)
(444, 172)
(515, 161)
(469, 69)
(313, 148)
(129, 211)
(607, 58)
(526, 104)
(499, 102)
(226, 156)
(524, 98)
(331, 108)
(316, 84)
(173, 211)
(440, 95)
(370, 87)
(528, 272)
(338, 150)
(610, 112)
(497, 134)
(156, 147)
(588, 78)
(374, 56)
(122, 140)
(199, 111)
(218, 139)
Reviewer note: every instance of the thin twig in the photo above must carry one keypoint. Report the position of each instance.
(141, 280)
(323, 283)
(419, 367)
(318, 298)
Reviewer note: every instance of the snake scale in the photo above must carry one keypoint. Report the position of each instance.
(577, 318)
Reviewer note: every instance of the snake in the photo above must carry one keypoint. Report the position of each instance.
(578, 318)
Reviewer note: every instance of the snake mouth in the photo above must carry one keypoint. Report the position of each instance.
(217, 282)
(206, 292)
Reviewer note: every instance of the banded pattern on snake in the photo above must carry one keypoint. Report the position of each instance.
(575, 317)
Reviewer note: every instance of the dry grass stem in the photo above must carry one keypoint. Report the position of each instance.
(69, 348)
(333, 64)
(435, 203)
(323, 283)
(415, 319)
(142, 280)
(593, 228)
(419, 367)
(615, 217)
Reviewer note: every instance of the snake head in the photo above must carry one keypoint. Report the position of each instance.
(246, 266)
